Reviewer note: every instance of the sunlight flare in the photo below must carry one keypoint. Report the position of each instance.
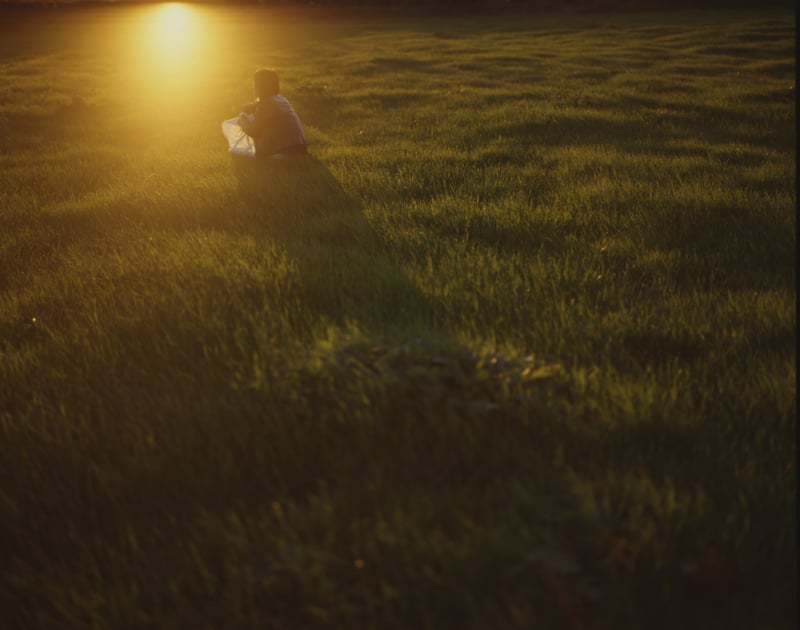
(171, 48)
(172, 29)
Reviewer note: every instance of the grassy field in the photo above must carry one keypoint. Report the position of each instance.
(515, 348)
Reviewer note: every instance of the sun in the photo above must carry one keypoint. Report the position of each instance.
(172, 32)
(169, 44)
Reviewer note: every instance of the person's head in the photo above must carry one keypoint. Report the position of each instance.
(265, 83)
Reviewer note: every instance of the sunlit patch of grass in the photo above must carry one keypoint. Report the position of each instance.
(516, 343)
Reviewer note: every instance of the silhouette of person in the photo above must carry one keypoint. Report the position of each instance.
(271, 121)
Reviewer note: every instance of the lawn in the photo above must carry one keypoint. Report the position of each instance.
(513, 348)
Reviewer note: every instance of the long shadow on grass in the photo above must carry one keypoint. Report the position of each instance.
(346, 273)
(402, 396)
(395, 426)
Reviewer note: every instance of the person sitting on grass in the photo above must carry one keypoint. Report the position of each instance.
(271, 121)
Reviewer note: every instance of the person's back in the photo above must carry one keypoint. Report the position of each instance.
(274, 126)
(282, 131)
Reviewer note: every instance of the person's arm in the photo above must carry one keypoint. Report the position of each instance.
(253, 124)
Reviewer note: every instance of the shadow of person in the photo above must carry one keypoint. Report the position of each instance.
(346, 270)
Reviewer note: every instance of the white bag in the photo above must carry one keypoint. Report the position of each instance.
(238, 141)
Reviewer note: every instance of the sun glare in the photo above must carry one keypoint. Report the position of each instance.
(172, 28)
(171, 46)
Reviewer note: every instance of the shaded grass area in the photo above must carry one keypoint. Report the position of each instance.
(515, 346)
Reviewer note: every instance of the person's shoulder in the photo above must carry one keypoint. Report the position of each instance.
(271, 104)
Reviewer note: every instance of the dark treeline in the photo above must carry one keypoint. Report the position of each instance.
(539, 4)
(485, 5)
(554, 5)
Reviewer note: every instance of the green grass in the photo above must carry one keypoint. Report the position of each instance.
(515, 348)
